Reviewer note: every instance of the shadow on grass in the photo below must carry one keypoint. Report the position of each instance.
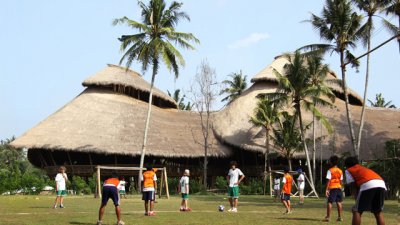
(80, 223)
(299, 219)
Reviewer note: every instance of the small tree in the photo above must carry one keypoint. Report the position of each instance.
(234, 87)
(180, 100)
(204, 93)
(380, 102)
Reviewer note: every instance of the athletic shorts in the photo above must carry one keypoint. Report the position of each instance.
(185, 196)
(277, 193)
(335, 195)
(370, 200)
(148, 195)
(233, 192)
(122, 192)
(62, 193)
(285, 197)
(110, 192)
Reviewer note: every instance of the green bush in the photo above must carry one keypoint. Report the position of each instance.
(79, 184)
(252, 186)
(196, 186)
(220, 182)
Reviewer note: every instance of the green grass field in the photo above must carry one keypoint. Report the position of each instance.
(82, 210)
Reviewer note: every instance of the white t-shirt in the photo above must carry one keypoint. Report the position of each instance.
(301, 182)
(148, 188)
(121, 185)
(60, 181)
(183, 182)
(234, 176)
(367, 185)
(277, 184)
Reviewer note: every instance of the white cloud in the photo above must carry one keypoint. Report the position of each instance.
(249, 40)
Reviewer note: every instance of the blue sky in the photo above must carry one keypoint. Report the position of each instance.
(49, 47)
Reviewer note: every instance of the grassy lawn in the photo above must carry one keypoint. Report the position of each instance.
(82, 210)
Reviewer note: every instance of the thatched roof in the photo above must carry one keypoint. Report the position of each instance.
(232, 125)
(267, 75)
(100, 120)
(125, 80)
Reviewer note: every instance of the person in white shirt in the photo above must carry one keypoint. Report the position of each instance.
(183, 188)
(121, 187)
(61, 191)
(277, 187)
(235, 176)
(301, 185)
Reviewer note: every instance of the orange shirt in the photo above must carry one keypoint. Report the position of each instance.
(287, 187)
(362, 174)
(111, 182)
(336, 175)
(148, 179)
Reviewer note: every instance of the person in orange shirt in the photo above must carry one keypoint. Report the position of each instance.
(110, 190)
(286, 190)
(149, 187)
(368, 188)
(334, 188)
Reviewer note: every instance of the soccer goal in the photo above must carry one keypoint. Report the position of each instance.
(312, 193)
(163, 181)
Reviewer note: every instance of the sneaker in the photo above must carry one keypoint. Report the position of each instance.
(234, 210)
(99, 222)
(55, 207)
(230, 210)
(146, 213)
(151, 214)
(290, 212)
(188, 210)
(326, 219)
(62, 206)
(182, 209)
(339, 219)
(120, 222)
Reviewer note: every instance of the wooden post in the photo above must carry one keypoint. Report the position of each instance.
(52, 159)
(161, 183)
(70, 163)
(166, 182)
(98, 181)
(270, 183)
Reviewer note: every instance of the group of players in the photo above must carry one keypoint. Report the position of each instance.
(366, 186)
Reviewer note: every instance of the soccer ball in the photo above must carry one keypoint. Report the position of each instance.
(221, 208)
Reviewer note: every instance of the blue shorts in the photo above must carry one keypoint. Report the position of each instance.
(110, 192)
(148, 195)
(285, 197)
(335, 195)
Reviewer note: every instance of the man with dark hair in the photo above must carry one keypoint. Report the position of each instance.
(149, 187)
(368, 188)
(286, 190)
(334, 188)
(235, 176)
(110, 190)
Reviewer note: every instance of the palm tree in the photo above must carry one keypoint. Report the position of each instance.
(235, 87)
(371, 8)
(340, 25)
(318, 73)
(380, 102)
(154, 43)
(180, 100)
(266, 114)
(287, 137)
(393, 8)
(296, 90)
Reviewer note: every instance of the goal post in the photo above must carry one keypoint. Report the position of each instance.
(310, 194)
(163, 181)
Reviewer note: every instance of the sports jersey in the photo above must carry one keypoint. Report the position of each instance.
(335, 175)
(234, 176)
(277, 184)
(287, 184)
(301, 182)
(111, 182)
(121, 185)
(183, 182)
(148, 178)
(364, 178)
(60, 181)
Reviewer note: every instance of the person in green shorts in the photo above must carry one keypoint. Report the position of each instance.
(61, 191)
(121, 188)
(235, 176)
(183, 188)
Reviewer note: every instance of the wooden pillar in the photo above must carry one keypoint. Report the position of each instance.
(161, 184)
(166, 182)
(70, 163)
(52, 159)
(270, 183)
(98, 182)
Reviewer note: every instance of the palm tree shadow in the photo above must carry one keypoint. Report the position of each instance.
(299, 219)
(79, 223)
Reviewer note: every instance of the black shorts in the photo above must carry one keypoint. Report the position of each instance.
(370, 200)
(285, 197)
(335, 195)
(148, 195)
(110, 192)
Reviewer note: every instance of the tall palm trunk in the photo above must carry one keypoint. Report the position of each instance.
(289, 160)
(146, 128)
(205, 163)
(366, 86)
(267, 164)
(346, 99)
(314, 150)
(310, 174)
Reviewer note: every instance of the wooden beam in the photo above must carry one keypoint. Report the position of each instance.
(70, 162)
(52, 159)
(42, 158)
(98, 182)
(161, 184)
(166, 182)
